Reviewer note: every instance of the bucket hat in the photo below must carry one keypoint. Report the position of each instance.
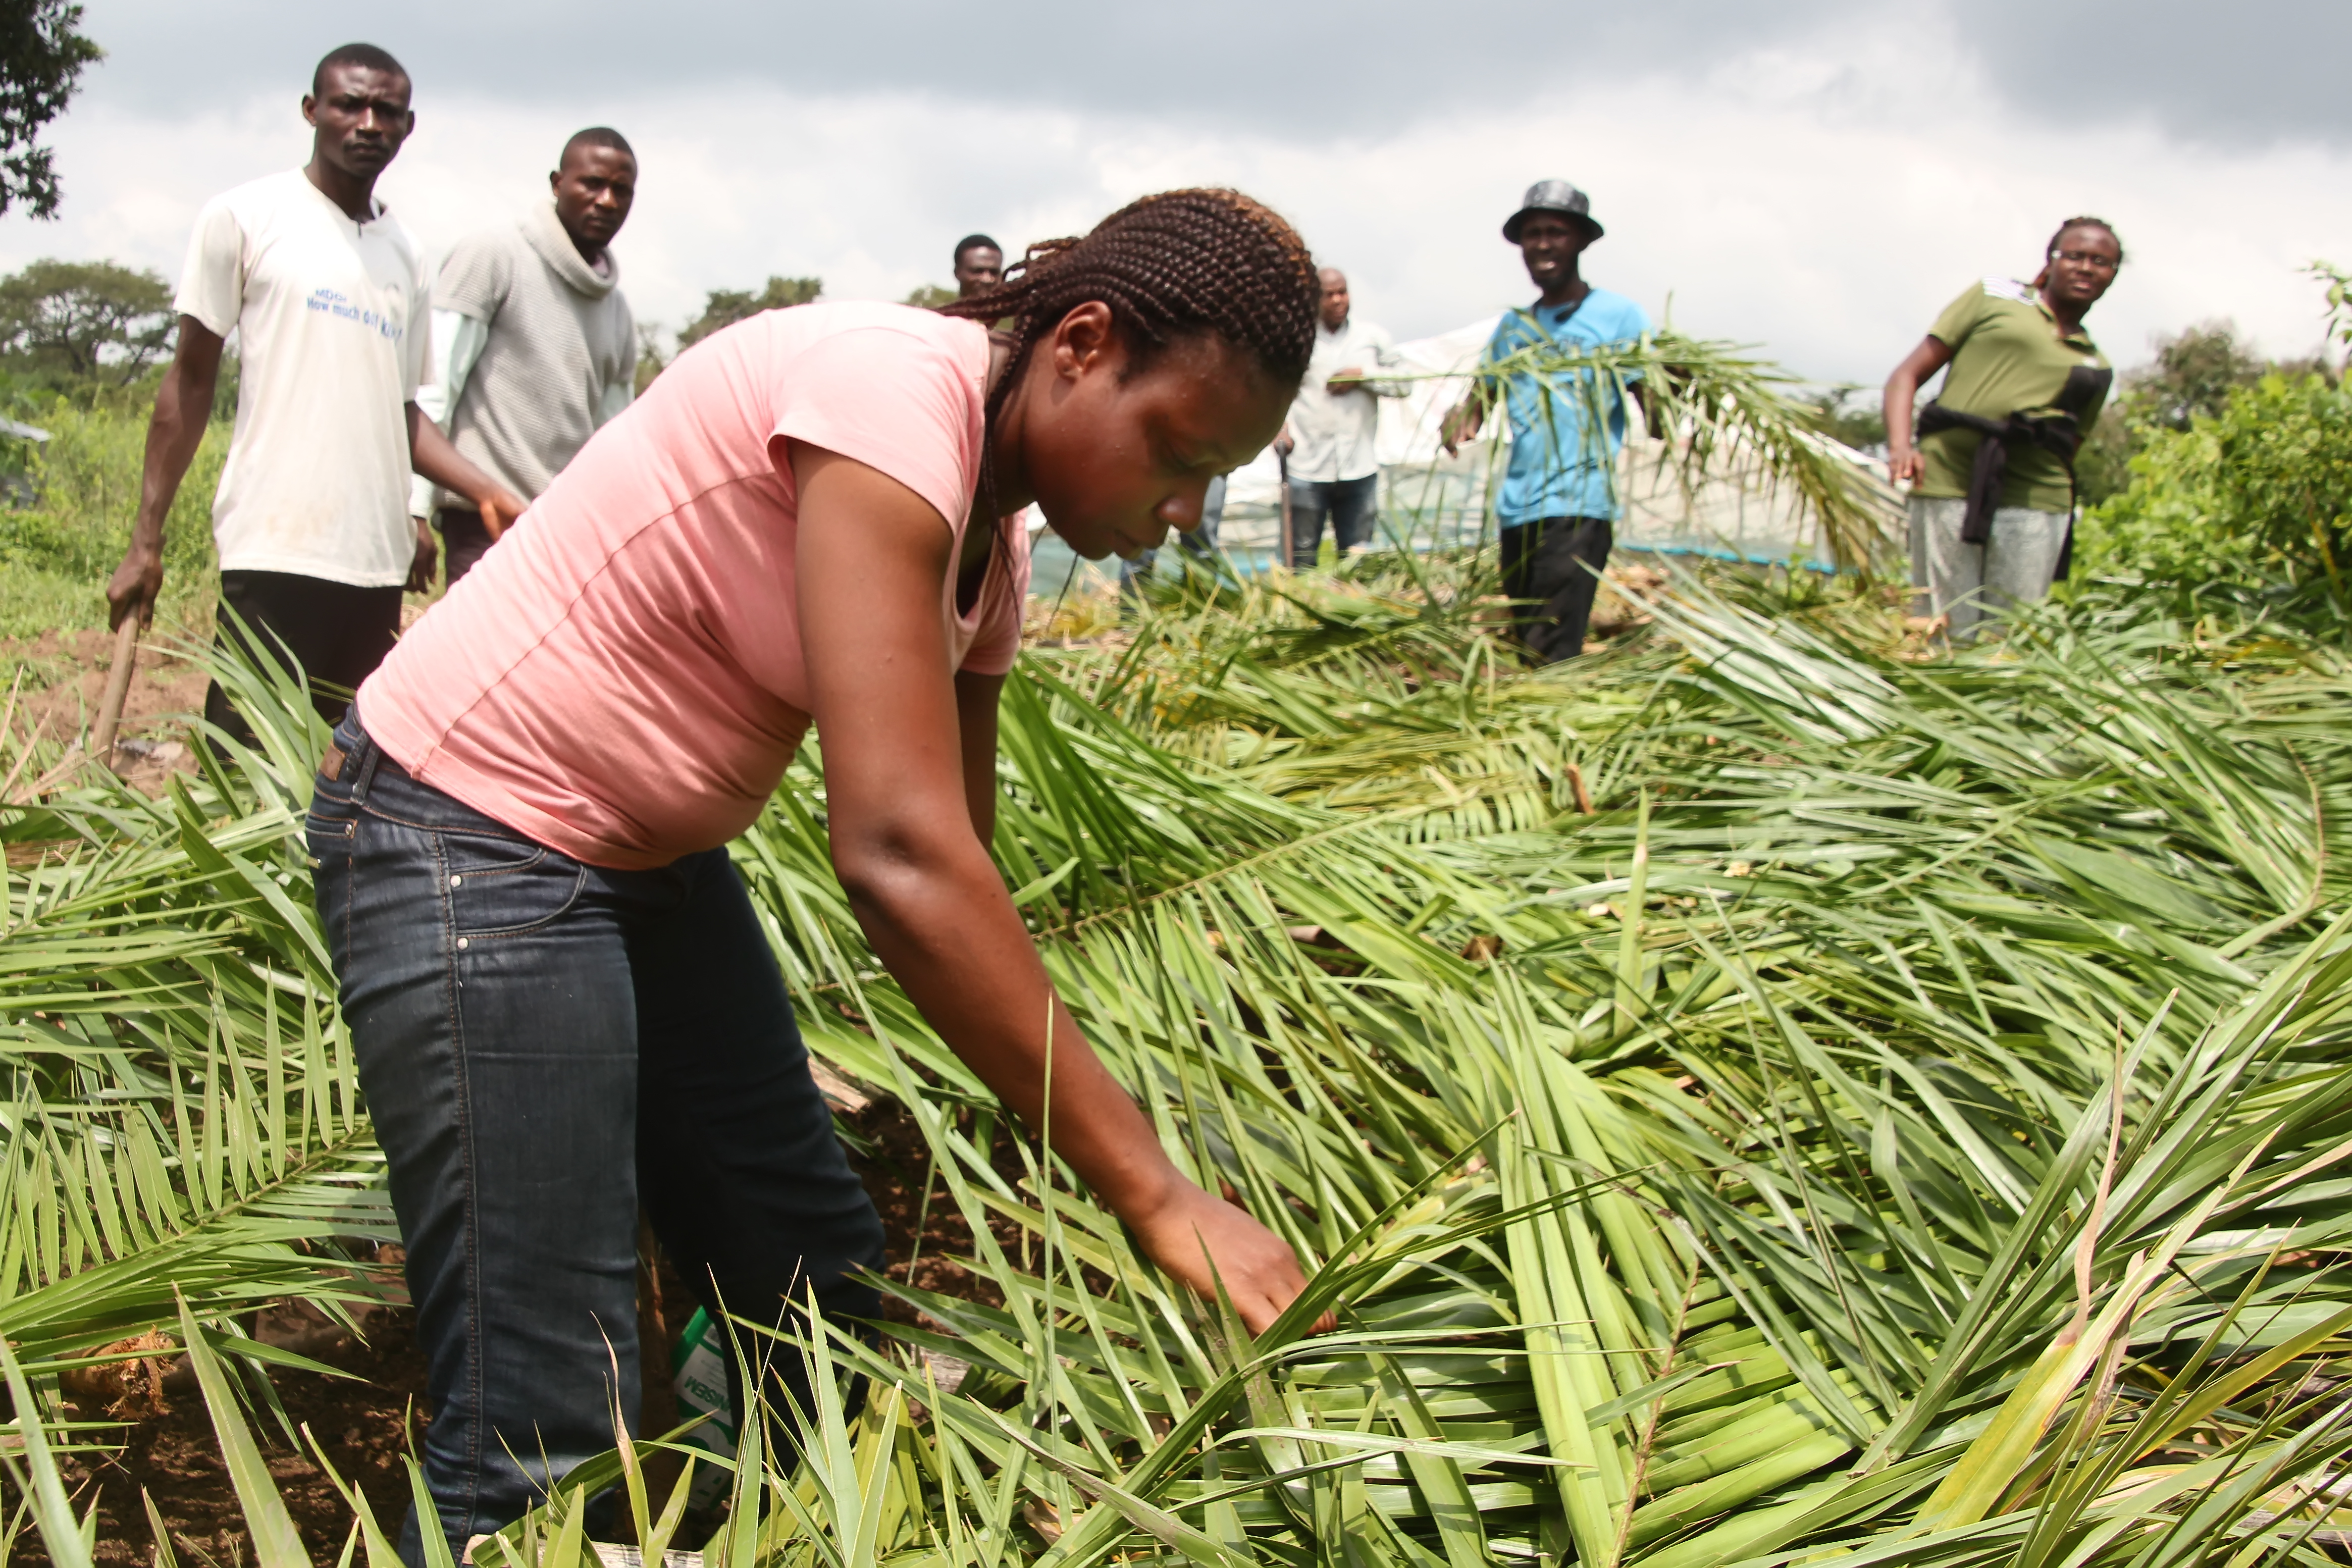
(1553, 196)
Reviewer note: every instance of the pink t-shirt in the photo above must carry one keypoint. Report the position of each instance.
(621, 679)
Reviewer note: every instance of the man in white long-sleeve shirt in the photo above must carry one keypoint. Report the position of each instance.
(538, 347)
(1330, 438)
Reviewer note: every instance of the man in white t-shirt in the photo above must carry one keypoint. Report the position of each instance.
(1330, 439)
(328, 295)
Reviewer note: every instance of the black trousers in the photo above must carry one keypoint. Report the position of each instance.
(1557, 561)
(464, 540)
(336, 633)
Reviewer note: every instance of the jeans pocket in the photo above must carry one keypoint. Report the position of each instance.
(330, 826)
(506, 887)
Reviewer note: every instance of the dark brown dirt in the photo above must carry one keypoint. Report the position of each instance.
(368, 1421)
(60, 679)
(364, 1422)
(895, 1164)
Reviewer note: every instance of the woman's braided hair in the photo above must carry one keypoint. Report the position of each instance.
(1173, 266)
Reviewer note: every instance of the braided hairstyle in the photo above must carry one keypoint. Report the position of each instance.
(1171, 267)
(2085, 220)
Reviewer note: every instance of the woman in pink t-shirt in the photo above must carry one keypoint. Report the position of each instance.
(563, 1004)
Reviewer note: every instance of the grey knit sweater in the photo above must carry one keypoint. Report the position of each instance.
(561, 342)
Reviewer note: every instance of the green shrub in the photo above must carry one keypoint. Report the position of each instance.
(2194, 372)
(57, 555)
(2256, 495)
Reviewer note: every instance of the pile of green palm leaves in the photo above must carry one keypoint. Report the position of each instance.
(179, 1109)
(1758, 1095)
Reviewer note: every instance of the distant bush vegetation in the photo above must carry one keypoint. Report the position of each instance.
(56, 554)
(2256, 494)
(2194, 372)
(2220, 471)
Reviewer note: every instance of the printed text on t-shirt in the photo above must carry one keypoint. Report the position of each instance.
(339, 306)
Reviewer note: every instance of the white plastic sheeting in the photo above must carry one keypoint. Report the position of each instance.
(1429, 497)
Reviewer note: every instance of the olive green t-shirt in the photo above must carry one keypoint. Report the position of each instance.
(2007, 358)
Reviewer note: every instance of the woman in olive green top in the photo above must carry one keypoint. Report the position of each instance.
(1992, 503)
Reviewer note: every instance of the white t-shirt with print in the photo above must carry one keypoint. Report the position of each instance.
(333, 329)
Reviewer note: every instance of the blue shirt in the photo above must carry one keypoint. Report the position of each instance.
(1557, 467)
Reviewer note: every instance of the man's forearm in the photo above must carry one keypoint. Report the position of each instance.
(434, 456)
(173, 433)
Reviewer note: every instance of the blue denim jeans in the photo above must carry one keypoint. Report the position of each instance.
(546, 1047)
(1352, 505)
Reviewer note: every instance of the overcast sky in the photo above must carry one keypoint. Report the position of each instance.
(1816, 176)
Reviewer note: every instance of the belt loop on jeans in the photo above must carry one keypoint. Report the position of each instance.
(373, 754)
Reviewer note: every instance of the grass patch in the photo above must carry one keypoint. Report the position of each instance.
(57, 555)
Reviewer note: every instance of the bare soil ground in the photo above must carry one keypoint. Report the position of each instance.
(59, 679)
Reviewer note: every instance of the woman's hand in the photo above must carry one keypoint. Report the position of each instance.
(1903, 465)
(1207, 1242)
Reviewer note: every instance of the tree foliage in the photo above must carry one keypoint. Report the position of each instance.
(42, 54)
(930, 296)
(79, 327)
(726, 306)
(1834, 413)
(2193, 372)
(652, 359)
(2339, 284)
(2258, 491)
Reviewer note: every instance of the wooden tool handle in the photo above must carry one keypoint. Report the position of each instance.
(1282, 468)
(118, 687)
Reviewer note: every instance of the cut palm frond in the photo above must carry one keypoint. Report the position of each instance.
(1754, 1096)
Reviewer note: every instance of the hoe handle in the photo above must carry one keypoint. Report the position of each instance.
(118, 687)
(1282, 466)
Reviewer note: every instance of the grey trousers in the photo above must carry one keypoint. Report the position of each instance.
(1963, 581)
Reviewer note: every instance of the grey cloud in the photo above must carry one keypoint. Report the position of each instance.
(2248, 74)
(1297, 69)
(2258, 71)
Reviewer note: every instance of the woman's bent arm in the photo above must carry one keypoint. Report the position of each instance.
(1918, 368)
(872, 560)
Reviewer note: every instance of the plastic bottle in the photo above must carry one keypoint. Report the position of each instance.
(699, 1371)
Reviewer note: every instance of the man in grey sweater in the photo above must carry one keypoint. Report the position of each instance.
(539, 348)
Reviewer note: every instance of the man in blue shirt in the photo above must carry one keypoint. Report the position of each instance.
(1559, 504)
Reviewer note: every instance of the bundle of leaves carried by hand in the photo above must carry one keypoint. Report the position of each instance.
(1721, 414)
(1756, 1095)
